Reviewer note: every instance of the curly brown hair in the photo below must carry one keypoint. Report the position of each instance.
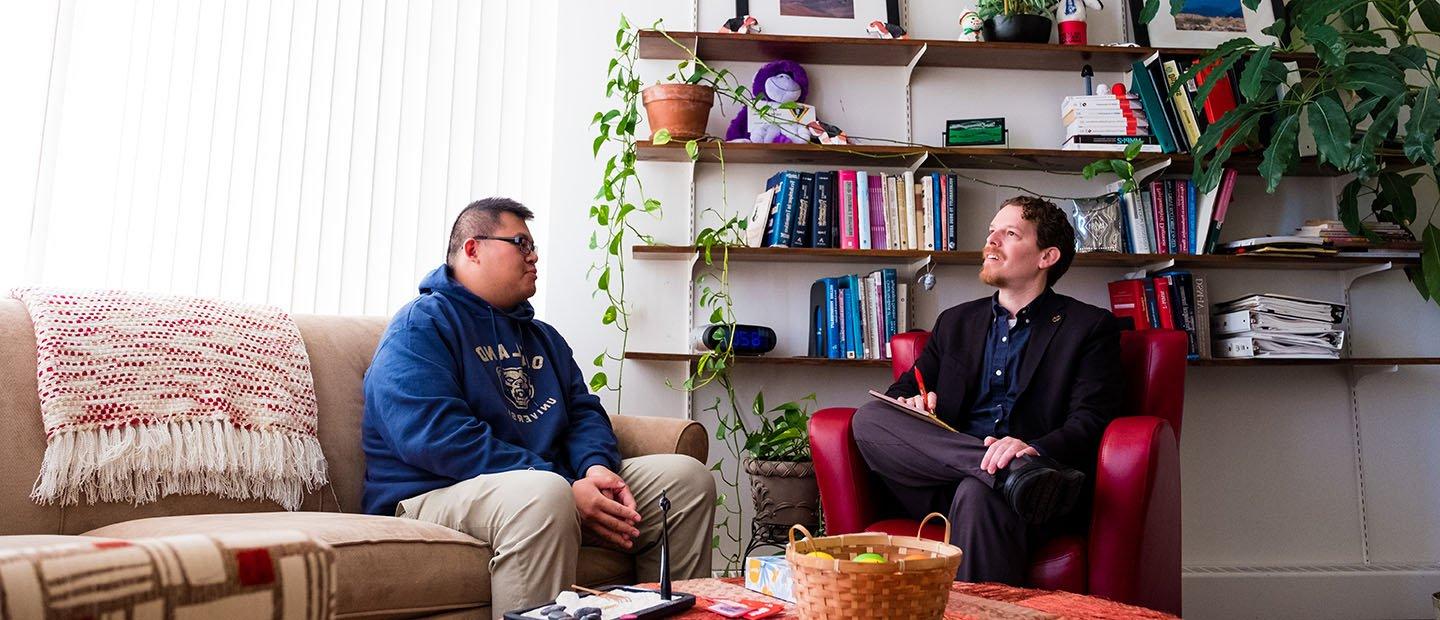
(1052, 230)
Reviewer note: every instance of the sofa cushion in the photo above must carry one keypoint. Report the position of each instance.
(383, 565)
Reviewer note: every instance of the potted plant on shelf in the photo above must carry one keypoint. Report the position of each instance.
(681, 107)
(782, 477)
(1017, 21)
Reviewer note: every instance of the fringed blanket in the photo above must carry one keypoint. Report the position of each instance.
(147, 396)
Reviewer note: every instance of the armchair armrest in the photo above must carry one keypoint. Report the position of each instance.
(840, 471)
(1135, 528)
(642, 435)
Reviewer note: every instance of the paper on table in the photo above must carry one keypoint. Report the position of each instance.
(912, 411)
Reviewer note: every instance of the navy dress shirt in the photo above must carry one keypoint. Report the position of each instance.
(1003, 347)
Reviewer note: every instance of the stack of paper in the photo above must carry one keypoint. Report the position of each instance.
(1278, 326)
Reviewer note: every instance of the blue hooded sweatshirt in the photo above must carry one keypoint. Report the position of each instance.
(459, 388)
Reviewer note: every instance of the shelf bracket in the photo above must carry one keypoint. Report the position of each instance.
(1349, 276)
(1146, 269)
(909, 73)
(1356, 374)
(915, 165)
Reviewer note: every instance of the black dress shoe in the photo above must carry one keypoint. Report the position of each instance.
(1039, 489)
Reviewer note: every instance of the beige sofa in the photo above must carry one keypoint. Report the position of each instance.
(384, 566)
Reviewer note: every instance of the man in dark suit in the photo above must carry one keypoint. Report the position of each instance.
(1029, 378)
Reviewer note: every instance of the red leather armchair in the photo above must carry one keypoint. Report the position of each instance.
(1131, 553)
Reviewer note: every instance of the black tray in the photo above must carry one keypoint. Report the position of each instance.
(679, 602)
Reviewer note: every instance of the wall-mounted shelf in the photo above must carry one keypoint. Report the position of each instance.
(1102, 260)
(713, 46)
(848, 363)
(962, 158)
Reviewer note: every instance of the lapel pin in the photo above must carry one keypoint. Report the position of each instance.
(1055, 319)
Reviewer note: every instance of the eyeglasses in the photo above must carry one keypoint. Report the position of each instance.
(521, 242)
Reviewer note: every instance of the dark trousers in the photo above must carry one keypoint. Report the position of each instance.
(928, 469)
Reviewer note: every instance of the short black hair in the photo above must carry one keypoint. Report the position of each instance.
(480, 218)
(1052, 230)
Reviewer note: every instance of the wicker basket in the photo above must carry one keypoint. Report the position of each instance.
(913, 583)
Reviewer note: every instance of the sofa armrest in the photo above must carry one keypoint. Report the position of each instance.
(180, 574)
(841, 472)
(1135, 527)
(642, 435)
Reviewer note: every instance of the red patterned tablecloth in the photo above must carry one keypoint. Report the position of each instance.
(968, 601)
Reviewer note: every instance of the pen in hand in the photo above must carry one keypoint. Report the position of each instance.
(924, 398)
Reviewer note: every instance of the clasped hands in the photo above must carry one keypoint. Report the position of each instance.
(607, 509)
(999, 452)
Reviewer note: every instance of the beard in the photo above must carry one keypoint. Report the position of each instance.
(989, 277)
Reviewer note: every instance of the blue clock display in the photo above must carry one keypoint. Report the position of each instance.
(748, 339)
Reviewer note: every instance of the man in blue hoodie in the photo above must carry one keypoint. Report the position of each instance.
(477, 418)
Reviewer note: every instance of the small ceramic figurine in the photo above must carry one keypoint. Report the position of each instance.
(1072, 20)
(827, 133)
(883, 30)
(740, 25)
(972, 28)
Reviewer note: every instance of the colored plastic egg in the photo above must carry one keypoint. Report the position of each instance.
(870, 558)
(820, 554)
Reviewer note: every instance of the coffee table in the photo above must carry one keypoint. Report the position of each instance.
(968, 601)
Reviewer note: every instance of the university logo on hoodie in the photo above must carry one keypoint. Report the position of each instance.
(518, 389)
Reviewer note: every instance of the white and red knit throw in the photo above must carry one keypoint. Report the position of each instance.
(145, 396)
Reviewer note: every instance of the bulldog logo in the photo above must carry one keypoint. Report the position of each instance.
(518, 389)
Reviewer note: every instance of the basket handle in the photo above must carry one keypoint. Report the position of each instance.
(804, 531)
(920, 530)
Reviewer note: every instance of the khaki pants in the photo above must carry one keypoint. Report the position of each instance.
(528, 518)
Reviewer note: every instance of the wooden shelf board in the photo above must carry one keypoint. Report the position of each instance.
(961, 158)
(848, 363)
(1103, 260)
(714, 46)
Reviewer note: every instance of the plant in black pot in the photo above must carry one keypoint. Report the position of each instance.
(1017, 21)
(782, 477)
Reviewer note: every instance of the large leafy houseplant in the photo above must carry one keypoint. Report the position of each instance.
(1365, 76)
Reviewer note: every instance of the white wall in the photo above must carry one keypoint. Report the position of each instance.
(1272, 508)
(309, 154)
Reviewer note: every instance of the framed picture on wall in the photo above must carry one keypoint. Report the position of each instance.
(835, 18)
(1204, 23)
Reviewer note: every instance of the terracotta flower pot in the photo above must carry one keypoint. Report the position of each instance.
(784, 493)
(1018, 28)
(684, 109)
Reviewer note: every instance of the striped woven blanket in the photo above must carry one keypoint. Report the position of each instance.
(146, 396)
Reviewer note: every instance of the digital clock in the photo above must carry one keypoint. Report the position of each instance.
(749, 339)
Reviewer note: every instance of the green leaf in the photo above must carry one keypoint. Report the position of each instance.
(1276, 29)
(1429, 14)
(651, 205)
(1331, 128)
(1424, 121)
(661, 137)
(604, 283)
(1131, 151)
(1361, 110)
(598, 382)
(1210, 179)
(1363, 38)
(600, 359)
(717, 316)
(692, 148)
(602, 215)
(1362, 159)
(609, 316)
(1147, 13)
(1356, 18)
(594, 241)
(1250, 78)
(1096, 168)
(1327, 44)
(1397, 191)
(1376, 79)
(615, 242)
(595, 147)
(1349, 207)
(1224, 57)
(1281, 153)
(1430, 258)
(1122, 169)
(1410, 57)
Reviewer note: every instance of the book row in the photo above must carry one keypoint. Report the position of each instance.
(854, 316)
(854, 209)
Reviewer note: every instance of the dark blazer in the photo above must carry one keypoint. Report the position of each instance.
(1070, 377)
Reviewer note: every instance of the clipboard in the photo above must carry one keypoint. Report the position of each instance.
(912, 412)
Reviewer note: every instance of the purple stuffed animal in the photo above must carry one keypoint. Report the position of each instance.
(779, 82)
